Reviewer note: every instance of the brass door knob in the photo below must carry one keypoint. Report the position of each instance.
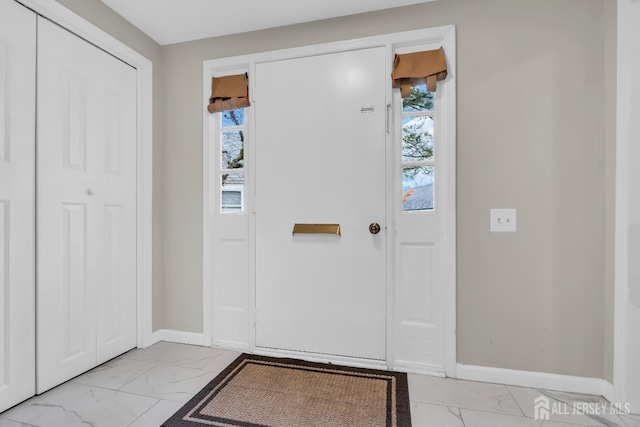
(374, 228)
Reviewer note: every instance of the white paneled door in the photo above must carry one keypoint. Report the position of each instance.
(86, 206)
(320, 159)
(17, 212)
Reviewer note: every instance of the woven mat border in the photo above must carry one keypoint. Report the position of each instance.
(403, 405)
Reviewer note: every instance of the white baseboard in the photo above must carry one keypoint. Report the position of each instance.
(156, 337)
(180, 337)
(417, 368)
(231, 345)
(567, 383)
(609, 392)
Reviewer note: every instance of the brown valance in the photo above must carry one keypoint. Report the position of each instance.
(414, 69)
(229, 93)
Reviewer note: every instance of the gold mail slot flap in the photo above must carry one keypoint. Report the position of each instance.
(316, 229)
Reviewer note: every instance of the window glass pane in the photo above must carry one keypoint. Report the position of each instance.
(231, 198)
(417, 188)
(417, 138)
(419, 100)
(232, 179)
(232, 155)
(233, 118)
(232, 193)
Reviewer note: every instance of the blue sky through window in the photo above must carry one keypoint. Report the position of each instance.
(233, 118)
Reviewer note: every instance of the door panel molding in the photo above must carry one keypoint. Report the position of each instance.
(74, 272)
(441, 36)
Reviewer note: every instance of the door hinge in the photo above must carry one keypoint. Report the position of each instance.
(255, 316)
(388, 120)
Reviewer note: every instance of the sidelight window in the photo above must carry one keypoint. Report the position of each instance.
(232, 140)
(418, 162)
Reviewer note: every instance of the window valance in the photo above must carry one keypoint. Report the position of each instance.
(417, 68)
(229, 93)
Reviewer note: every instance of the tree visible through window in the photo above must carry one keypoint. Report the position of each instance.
(417, 150)
(232, 137)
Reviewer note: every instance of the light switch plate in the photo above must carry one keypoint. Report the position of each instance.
(503, 220)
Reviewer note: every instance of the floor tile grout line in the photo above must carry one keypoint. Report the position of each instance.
(464, 423)
(469, 409)
(140, 416)
(157, 399)
(515, 416)
(412, 402)
(133, 394)
(141, 374)
(459, 413)
(158, 363)
(19, 422)
(504, 386)
(516, 401)
(152, 397)
(433, 404)
(78, 379)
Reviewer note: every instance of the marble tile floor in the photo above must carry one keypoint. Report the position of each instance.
(142, 388)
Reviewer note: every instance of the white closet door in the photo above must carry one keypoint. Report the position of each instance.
(86, 295)
(17, 158)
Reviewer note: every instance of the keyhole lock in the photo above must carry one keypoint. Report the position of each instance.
(374, 228)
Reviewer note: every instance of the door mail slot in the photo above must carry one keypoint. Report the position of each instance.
(316, 229)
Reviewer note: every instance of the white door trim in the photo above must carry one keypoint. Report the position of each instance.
(62, 16)
(444, 35)
(621, 266)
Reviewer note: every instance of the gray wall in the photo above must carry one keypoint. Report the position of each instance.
(110, 22)
(531, 135)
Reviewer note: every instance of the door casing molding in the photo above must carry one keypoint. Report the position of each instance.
(621, 263)
(444, 36)
(62, 16)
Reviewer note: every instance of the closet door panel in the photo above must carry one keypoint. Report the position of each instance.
(116, 167)
(67, 220)
(17, 195)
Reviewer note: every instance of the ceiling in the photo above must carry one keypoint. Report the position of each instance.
(174, 21)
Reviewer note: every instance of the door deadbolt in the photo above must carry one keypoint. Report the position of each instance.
(374, 228)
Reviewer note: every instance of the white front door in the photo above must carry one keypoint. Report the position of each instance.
(320, 159)
(17, 211)
(86, 217)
